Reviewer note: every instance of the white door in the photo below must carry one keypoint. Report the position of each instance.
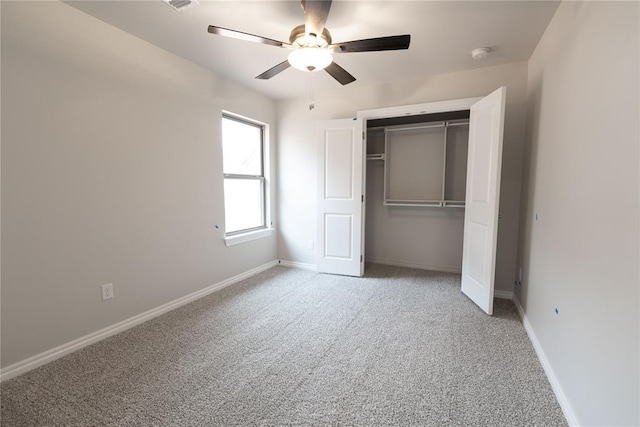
(482, 199)
(340, 198)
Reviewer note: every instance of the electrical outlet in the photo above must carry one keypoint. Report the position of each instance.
(310, 245)
(107, 291)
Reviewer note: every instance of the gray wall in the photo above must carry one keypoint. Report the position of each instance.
(297, 155)
(111, 173)
(581, 256)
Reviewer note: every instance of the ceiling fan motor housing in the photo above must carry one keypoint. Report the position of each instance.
(299, 37)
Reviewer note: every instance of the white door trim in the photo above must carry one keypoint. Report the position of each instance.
(426, 108)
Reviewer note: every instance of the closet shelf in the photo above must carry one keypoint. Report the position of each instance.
(425, 203)
(414, 203)
(424, 164)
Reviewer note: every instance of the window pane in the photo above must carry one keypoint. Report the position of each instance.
(242, 204)
(241, 148)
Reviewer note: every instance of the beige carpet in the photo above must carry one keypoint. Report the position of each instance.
(290, 347)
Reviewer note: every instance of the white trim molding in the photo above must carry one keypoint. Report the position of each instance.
(64, 349)
(246, 237)
(503, 294)
(426, 108)
(300, 265)
(566, 407)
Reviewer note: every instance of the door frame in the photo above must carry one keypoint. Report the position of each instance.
(403, 110)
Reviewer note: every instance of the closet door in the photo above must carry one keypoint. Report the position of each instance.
(482, 199)
(340, 198)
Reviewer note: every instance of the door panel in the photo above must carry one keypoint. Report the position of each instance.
(481, 155)
(339, 164)
(340, 193)
(478, 245)
(482, 199)
(338, 236)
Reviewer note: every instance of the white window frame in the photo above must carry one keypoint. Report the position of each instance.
(264, 230)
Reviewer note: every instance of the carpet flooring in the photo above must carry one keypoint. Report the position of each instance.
(400, 347)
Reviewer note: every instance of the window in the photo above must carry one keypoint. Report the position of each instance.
(244, 179)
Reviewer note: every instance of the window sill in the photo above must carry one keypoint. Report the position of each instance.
(246, 237)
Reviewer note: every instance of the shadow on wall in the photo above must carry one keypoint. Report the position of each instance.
(529, 168)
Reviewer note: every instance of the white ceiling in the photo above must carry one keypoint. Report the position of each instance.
(443, 33)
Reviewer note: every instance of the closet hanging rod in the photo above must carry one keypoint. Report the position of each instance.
(440, 125)
(417, 205)
(465, 123)
(415, 200)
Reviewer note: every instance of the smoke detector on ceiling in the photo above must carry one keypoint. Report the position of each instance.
(480, 53)
(180, 4)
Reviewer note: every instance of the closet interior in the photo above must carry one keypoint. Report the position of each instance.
(416, 184)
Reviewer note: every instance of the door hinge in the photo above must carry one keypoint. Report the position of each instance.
(360, 258)
(362, 198)
(363, 135)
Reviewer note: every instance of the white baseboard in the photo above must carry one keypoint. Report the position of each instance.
(300, 265)
(64, 349)
(503, 294)
(397, 263)
(566, 407)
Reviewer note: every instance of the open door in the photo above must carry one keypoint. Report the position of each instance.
(482, 199)
(340, 198)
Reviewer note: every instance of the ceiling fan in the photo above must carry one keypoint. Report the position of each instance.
(311, 45)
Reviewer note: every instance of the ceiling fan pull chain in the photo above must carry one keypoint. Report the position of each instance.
(311, 104)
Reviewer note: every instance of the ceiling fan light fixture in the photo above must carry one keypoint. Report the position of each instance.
(310, 45)
(310, 58)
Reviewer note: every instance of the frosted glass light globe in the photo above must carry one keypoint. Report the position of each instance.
(310, 58)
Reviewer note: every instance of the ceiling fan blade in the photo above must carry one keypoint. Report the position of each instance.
(315, 15)
(274, 70)
(340, 74)
(372, 45)
(245, 36)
